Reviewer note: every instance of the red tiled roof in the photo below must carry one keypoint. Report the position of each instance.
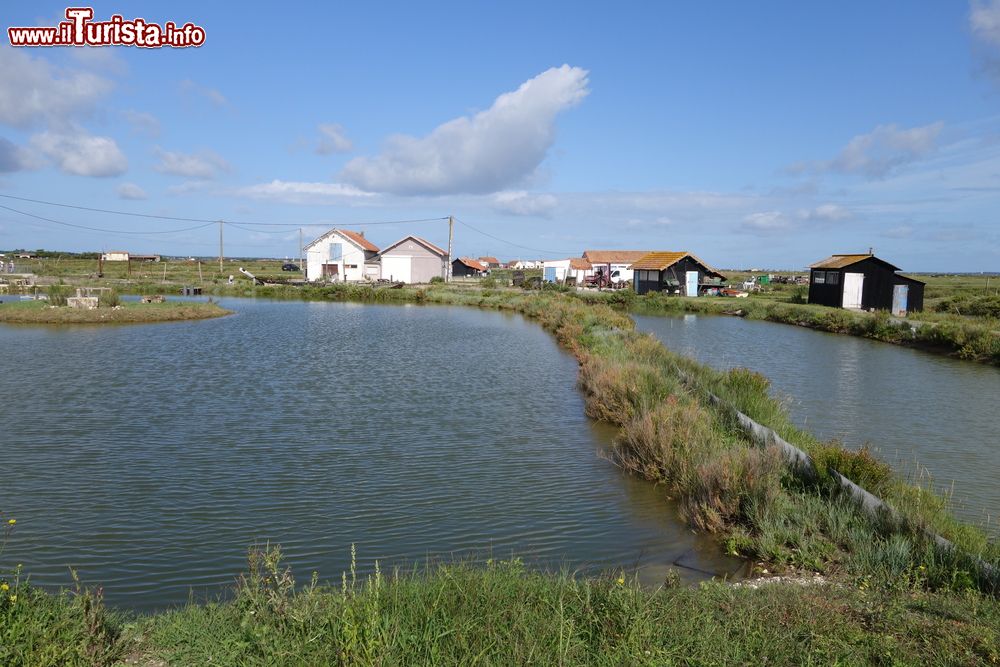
(658, 261)
(360, 239)
(579, 264)
(489, 260)
(471, 263)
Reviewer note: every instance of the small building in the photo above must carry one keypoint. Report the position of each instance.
(115, 256)
(340, 255)
(865, 282)
(466, 267)
(679, 273)
(606, 262)
(559, 270)
(490, 262)
(521, 264)
(144, 258)
(413, 260)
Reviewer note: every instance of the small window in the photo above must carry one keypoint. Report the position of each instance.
(819, 277)
(352, 266)
(832, 278)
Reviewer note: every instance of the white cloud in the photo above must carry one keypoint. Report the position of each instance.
(984, 20)
(900, 232)
(826, 213)
(81, 154)
(205, 164)
(484, 153)
(879, 152)
(333, 140)
(301, 193)
(130, 191)
(217, 99)
(519, 202)
(142, 122)
(14, 157)
(32, 92)
(768, 222)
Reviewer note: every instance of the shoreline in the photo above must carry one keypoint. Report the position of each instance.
(42, 314)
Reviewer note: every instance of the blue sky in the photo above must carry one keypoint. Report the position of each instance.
(753, 134)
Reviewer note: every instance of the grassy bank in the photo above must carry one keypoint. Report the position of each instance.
(41, 312)
(502, 614)
(895, 597)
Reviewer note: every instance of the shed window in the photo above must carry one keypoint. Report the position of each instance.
(832, 278)
(819, 277)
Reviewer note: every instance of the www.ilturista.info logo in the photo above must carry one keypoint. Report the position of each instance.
(80, 30)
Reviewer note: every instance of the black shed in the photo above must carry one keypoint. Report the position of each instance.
(864, 282)
(674, 273)
(465, 267)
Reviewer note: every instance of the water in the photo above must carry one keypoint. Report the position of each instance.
(150, 457)
(922, 412)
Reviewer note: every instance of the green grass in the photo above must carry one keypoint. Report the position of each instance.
(504, 614)
(41, 312)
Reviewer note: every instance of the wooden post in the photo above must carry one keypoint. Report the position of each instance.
(200, 279)
(164, 272)
(301, 263)
(220, 247)
(451, 234)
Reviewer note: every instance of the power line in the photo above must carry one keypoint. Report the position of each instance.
(516, 245)
(216, 220)
(100, 229)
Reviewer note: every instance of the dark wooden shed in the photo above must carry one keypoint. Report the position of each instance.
(465, 267)
(678, 273)
(864, 282)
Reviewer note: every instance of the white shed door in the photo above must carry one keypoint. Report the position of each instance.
(396, 269)
(692, 283)
(853, 284)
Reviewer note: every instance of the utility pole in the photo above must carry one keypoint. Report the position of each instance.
(451, 234)
(220, 247)
(300, 250)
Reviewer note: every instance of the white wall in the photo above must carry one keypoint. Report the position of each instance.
(352, 256)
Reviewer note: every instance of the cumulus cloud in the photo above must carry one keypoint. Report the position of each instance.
(825, 213)
(131, 191)
(879, 152)
(79, 153)
(204, 164)
(14, 157)
(484, 153)
(333, 140)
(984, 20)
(295, 192)
(519, 202)
(32, 92)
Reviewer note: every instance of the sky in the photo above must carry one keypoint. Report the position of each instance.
(765, 135)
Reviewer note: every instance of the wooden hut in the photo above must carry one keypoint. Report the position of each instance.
(678, 273)
(865, 282)
(466, 267)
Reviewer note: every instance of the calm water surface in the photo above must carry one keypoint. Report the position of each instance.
(149, 457)
(913, 407)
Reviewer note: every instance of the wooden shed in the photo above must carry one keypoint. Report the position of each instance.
(466, 267)
(678, 273)
(865, 282)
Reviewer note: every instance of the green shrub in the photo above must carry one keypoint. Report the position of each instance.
(109, 299)
(58, 294)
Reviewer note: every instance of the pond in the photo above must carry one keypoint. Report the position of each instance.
(927, 414)
(149, 457)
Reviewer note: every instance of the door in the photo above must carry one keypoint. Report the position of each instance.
(550, 274)
(899, 294)
(692, 283)
(853, 284)
(396, 269)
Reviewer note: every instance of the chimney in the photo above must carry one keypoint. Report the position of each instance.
(871, 251)
(362, 235)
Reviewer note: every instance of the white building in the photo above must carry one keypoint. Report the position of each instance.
(115, 256)
(558, 270)
(341, 255)
(611, 261)
(413, 260)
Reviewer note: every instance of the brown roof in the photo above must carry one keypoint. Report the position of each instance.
(360, 239)
(489, 260)
(427, 244)
(840, 261)
(658, 261)
(356, 238)
(614, 256)
(471, 263)
(579, 264)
